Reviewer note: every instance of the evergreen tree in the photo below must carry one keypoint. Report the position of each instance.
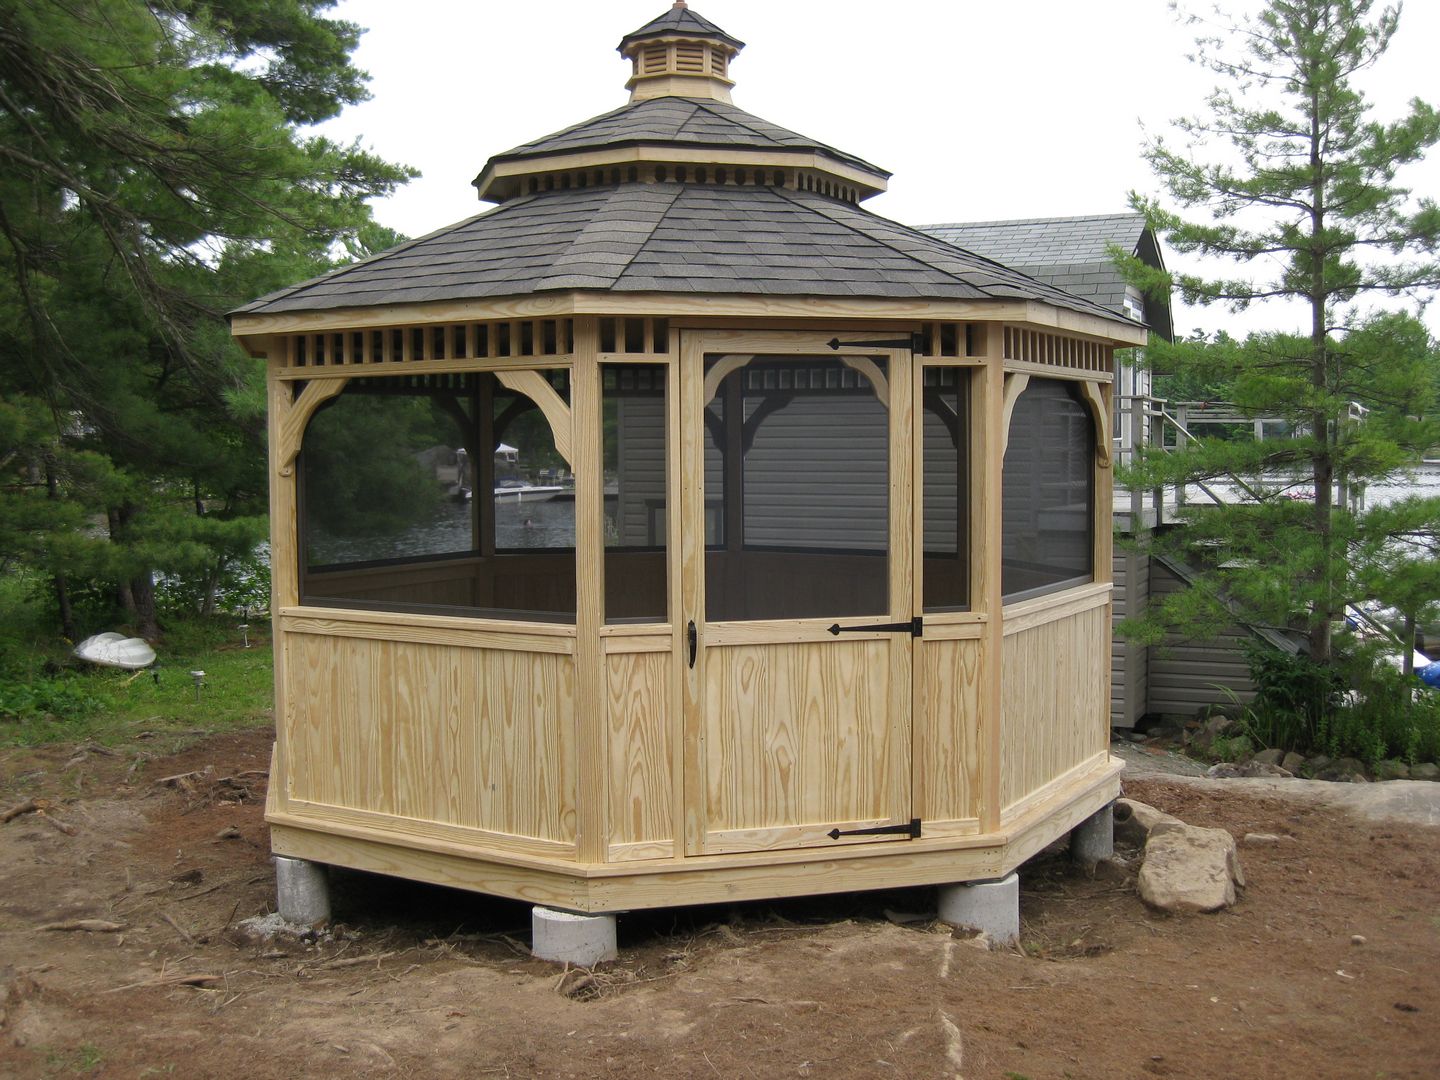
(155, 171)
(1288, 175)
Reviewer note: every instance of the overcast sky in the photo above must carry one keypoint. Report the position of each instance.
(1027, 108)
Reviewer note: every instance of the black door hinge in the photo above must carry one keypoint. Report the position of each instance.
(912, 830)
(915, 628)
(915, 343)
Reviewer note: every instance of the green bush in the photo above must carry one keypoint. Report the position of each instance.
(1363, 709)
(48, 697)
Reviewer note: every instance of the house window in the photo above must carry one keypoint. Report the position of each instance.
(443, 494)
(1048, 492)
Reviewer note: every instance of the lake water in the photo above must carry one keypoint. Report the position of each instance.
(519, 524)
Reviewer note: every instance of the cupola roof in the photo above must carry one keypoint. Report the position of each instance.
(680, 21)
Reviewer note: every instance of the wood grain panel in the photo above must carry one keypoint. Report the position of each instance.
(947, 750)
(641, 732)
(1055, 700)
(801, 735)
(474, 738)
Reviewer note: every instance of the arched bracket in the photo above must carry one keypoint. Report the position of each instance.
(538, 389)
(297, 416)
(1015, 384)
(1096, 400)
(718, 370)
(871, 370)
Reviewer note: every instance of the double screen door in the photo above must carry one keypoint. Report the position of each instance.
(797, 471)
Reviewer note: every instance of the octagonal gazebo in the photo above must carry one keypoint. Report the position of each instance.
(679, 531)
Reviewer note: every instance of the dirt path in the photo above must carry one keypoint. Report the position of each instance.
(427, 983)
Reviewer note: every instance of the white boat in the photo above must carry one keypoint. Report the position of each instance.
(518, 492)
(116, 650)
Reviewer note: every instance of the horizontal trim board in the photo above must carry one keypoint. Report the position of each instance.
(812, 309)
(405, 827)
(1029, 614)
(717, 879)
(462, 366)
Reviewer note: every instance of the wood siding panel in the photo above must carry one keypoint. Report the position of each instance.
(947, 750)
(641, 730)
(798, 735)
(1186, 674)
(1055, 709)
(1129, 663)
(475, 738)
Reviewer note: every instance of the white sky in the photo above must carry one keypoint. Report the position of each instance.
(1025, 108)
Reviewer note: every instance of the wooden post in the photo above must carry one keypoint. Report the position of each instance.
(284, 563)
(590, 743)
(986, 556)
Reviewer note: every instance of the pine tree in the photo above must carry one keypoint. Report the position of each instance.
(155, 171)
(1287, 174)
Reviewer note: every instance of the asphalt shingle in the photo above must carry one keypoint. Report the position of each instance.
(682, 238)
(686, 121)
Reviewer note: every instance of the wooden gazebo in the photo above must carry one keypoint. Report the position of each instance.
(679, 531)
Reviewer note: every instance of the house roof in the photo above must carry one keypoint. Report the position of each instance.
(671, 238)
(1069, 252)
(684, 121)
(680, 20)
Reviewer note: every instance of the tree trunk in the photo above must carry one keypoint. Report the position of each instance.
(142, 590)
(1322, 459)
(62, 604)
(137, 593)
(62, 586)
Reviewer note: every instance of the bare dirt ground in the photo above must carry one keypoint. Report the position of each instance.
(424, 982)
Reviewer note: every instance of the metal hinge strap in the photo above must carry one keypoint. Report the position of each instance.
(912, 830)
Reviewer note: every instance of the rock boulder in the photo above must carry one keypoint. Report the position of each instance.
(1134, 821)
(1190, 869)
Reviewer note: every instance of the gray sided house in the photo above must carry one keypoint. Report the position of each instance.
(1074, 254)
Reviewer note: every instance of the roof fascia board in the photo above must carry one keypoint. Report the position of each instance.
(1120, 332)
(677, 154)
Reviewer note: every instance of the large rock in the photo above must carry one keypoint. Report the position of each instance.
(1190, 869)
(1249, 770)
(1273, 756)
(1293, 763)
(1346, 770)
(1134, 821)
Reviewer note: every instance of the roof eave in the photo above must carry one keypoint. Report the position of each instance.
(871, 181)
(1113, 330)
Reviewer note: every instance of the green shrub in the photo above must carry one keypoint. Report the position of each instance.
(1364, 708)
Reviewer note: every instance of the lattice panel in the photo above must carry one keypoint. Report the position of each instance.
(1037, 347)
(420, 344)
(733, 176)
(949, 339)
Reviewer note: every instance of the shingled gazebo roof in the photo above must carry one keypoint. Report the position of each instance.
(681, 121)
(675, 193)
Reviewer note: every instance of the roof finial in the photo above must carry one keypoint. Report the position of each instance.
(679, 5)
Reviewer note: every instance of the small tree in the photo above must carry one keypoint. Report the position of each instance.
(156, 169)
(1293, 180)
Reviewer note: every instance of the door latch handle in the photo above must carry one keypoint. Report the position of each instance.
(693, 639)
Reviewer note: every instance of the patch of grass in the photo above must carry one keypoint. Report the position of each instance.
(47, 697)
(77, 1062)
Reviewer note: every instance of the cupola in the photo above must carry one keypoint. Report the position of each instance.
(679, 126)
(680, 54)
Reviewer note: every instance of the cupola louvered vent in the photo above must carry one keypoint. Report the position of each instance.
(690, 59)
(653, 60)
